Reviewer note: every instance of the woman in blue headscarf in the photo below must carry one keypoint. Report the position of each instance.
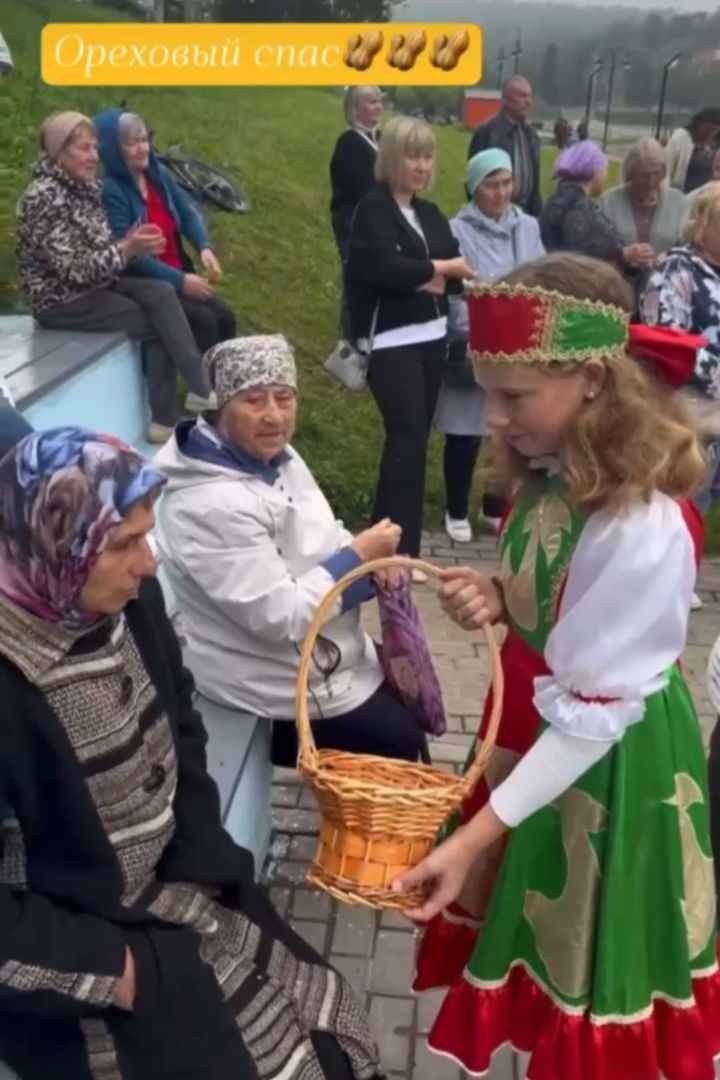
(495, 236)
(133, 941)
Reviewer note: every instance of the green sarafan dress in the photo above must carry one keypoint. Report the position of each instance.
(588, 937)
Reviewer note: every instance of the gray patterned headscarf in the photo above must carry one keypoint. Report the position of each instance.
(245, 362)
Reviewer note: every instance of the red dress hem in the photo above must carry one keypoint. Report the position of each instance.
(675, 1041)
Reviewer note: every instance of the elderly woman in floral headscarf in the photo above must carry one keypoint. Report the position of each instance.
(133, 942)
(571, 219)
(251, 546)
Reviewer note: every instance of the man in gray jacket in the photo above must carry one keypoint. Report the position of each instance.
(510, 131)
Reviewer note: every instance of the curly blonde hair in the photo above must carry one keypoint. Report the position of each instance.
(635, 437)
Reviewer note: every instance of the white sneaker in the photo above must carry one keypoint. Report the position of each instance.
(458, 529)
(419, 576)
(696, 603)
(196, 404)
(489, 524)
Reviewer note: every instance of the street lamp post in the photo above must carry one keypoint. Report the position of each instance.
(591, 82)
(517, 52)
(611, 86)
(500, 60)
(667, 68)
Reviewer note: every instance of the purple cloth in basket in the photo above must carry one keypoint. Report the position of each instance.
(406, 658)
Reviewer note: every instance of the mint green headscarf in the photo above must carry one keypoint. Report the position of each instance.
(481, 165)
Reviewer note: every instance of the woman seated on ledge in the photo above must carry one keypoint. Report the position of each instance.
(71, 268)
(137, 187)
(134, 944)
(251, 546)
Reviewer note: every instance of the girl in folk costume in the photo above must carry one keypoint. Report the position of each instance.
(573, 904)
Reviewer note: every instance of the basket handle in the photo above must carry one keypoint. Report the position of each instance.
(306, 741)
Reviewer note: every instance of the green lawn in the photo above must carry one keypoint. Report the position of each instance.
(280, 260)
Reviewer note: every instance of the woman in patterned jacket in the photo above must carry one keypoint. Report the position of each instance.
(134, 944)
(684, 292)
(71, 268)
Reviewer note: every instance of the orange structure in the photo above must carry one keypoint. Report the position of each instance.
(480, 105)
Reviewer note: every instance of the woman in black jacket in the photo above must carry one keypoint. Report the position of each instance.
(134, 944)
(402, 261)
(352, 166)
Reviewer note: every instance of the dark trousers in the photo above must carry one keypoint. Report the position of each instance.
(459, 460)
(714, 781)
(405, 383)
(381, 725)
(211, 321)
(150, 311)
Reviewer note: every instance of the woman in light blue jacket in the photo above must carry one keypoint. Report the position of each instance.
(494, 237)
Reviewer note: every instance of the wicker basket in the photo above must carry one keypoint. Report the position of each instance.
(379, 816)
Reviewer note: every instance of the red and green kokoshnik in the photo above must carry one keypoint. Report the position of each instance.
(520, 324)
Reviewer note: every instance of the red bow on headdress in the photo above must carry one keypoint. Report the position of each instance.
(673, 353)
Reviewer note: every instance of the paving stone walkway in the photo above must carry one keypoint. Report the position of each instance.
(375, 951)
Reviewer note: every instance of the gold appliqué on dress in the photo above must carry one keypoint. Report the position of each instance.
(698, 876)
(564, 926)
(544, 524)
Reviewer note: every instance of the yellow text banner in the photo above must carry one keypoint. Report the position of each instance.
(261, 54)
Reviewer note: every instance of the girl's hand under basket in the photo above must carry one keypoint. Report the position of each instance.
(441, 875)
(470, 598)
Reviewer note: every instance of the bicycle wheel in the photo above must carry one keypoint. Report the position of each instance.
(211, 185)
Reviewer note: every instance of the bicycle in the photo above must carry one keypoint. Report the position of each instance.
(204, 182)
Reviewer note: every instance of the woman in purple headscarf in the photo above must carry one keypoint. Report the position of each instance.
(134, 944)
(572, 221)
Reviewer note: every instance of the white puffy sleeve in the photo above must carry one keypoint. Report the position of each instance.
(622, 623)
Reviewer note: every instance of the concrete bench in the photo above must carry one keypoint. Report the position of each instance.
(55, 377)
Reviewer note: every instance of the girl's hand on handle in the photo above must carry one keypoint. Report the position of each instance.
(470, 598)
(379, 542)
(440, 876)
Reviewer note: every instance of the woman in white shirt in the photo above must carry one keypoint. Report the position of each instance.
(250, 546)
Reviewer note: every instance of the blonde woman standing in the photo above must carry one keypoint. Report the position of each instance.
(402, 262)
(352, 166)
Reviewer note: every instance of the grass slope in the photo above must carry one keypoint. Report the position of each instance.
(280, 260)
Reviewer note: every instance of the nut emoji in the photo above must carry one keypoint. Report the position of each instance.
(459, 43)
(447, 51)
(445, 59)
(404, 51)
(361, 51)
(403, 59)
(416, 42)
(353, 42)
(440, 42)
(396, 42)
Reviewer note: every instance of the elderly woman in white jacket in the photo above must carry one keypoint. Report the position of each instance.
(250, 547)
(494, 236)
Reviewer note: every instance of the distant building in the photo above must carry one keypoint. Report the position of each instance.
(480, 105)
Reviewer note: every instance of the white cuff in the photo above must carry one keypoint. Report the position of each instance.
(599, 719)
(548, 769)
